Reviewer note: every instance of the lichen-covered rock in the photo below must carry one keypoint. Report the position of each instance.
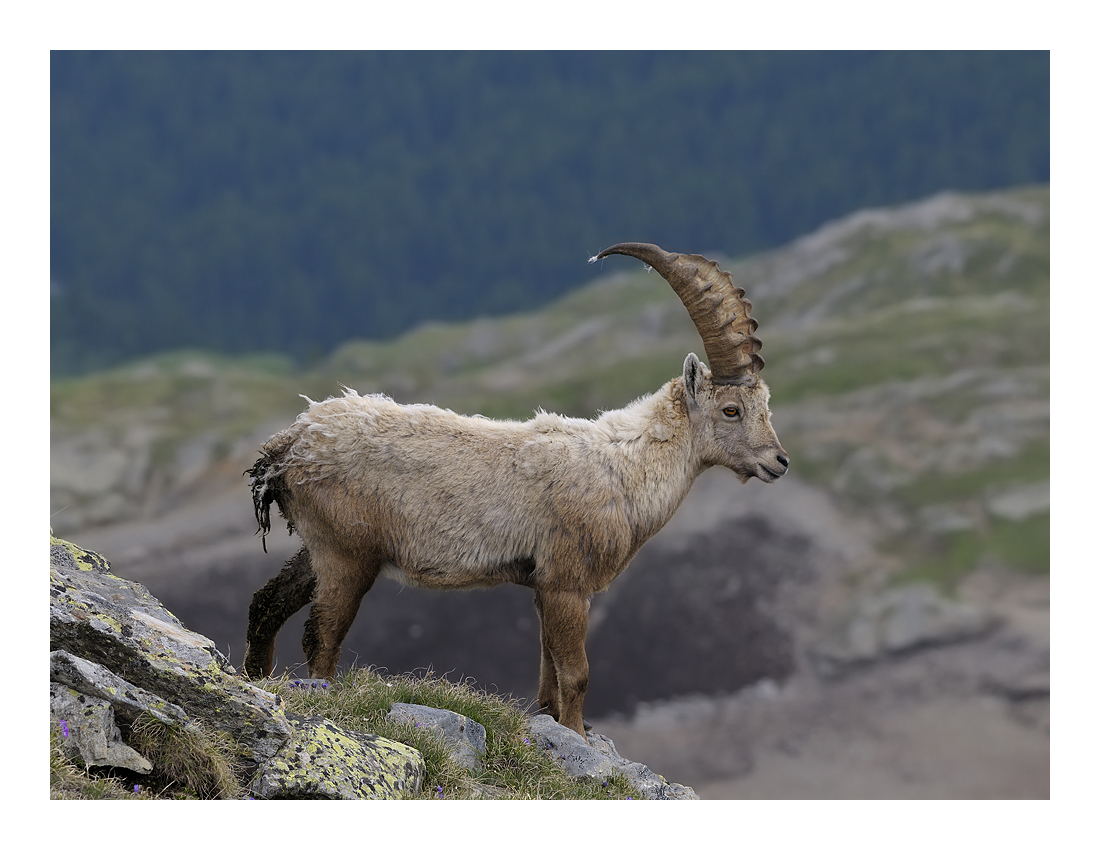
(598, 759)
(465, 736)
(650, 784)
(568, 749)
(89, 735)
(95, 680)
(323, 761)
(119, 625)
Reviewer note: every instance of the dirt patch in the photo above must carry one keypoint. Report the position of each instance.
(943, 749)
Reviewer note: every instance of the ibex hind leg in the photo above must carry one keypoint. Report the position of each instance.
(272, 605)
(563, 620)
(548, 681)
(341, 586)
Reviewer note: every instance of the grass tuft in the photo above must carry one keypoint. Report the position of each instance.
(195, 760)
(188, 763)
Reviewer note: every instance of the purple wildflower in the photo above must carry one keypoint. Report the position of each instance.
(64, 728)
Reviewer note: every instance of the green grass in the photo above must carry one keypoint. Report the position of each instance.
(514, 768)
(190, 758)
(945, 560)
(898, 344)
(604, 386)
(190, 763)
(1031, 464)
(986, 255)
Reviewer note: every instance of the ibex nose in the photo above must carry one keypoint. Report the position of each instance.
(783, 459)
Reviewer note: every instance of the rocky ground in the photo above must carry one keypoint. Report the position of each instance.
(734, 674)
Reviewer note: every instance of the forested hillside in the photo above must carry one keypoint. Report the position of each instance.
(291, 201)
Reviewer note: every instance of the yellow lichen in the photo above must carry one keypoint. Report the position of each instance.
(316, 760)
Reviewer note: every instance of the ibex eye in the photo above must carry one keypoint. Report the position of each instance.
(731, 412)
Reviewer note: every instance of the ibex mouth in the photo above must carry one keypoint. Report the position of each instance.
(768, 475)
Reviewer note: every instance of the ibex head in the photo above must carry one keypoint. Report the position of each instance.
(728, 403)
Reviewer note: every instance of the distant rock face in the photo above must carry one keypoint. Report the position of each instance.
(899, 620)
(696, 615)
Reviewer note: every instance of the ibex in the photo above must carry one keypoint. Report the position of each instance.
(559, 505)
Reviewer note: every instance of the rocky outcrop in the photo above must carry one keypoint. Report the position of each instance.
(120, 626)
(598, 760)
(89, 734)
(118, 654)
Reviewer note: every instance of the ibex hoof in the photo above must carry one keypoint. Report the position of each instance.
(543, 709)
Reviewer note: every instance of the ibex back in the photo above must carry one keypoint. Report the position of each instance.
(560, 505)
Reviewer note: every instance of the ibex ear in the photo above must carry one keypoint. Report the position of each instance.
(693, 375)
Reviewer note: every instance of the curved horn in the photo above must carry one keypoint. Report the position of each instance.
(718, 308)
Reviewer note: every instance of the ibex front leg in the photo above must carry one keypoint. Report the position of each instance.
(563, 619)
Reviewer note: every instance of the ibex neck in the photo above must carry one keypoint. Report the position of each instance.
(650, 448)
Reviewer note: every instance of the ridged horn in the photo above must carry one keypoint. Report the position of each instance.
(718, 308)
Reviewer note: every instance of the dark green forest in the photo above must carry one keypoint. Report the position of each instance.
(290, 201)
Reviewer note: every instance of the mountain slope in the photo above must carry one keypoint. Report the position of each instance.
(908, 354)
